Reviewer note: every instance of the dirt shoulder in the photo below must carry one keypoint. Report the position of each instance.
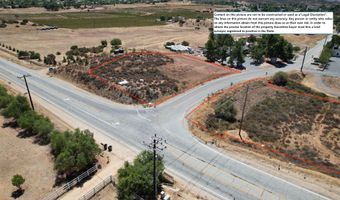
(332, 82)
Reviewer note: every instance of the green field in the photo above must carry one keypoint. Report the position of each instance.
(101, 19)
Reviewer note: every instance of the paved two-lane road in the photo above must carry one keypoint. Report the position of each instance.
(203, 166)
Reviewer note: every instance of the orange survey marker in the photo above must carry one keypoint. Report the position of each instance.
(227, 136)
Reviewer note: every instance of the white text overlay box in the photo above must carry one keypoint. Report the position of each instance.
(273, 22)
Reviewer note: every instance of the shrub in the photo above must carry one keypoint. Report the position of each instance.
(169, 43)
(162, 18)
(23, 54)
(296, 49)
(17, 181)
(116, 42)
(5, 98)
(104, 43)
(26, 120)
(16, 107)
(185, 43)
(34, 55)
(280, 78)
(43, 127)
(225, 110)
(50, 59)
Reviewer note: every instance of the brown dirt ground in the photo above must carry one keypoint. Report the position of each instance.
(20, 156)
(304, 40)
(190, 71)
(313, 180)
(151, 38)
(332, 82)
(170, 5)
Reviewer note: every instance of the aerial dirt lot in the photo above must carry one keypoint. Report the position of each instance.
(32, 161)
(151, 38)
(149, 76)
(303, 41)
(308, 129)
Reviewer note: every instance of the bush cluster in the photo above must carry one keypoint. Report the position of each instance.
(74, 151)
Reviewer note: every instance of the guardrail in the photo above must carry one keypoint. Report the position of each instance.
(60, 191)
(97, 188)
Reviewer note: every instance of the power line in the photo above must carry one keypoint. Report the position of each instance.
(156, 144)
(28, 90)
(244, 107)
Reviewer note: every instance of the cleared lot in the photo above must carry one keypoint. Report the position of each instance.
(60, 40)
(32, 161)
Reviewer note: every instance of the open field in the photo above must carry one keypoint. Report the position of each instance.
(301, 127)
(20, 156)
(109, 16)
(60, 40)
(148, 76)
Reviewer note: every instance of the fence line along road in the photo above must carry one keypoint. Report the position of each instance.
(97, 188)
(60, 191)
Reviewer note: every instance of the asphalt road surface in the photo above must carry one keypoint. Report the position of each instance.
(200, 165)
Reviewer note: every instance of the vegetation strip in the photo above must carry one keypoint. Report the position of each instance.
(144, 102)
(227, 135)
(74, 151)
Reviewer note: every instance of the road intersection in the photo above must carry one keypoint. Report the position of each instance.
(186, 157)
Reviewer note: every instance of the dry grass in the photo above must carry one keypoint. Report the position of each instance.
(332, 82)
(32, 161)
(298, 125)
(304, 40)
(151, 38)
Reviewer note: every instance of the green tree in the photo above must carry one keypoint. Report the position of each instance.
(237, 54)
(43, 127)
(17, 181)
(59, 141)
(27, 119)
(5, 98)
(137, 178)
(210, 51)
(116, 42)
(251, 39)
(257, 53)
(325, 55)
(104, 43)
(16, 107)
(280, 78)
(74, 151)
(50, 59)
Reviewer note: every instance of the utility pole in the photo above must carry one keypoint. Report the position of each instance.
(28, 90)
(244, 107)
(156, 144)
(303, 61)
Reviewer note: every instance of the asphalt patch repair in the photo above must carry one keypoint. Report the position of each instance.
(197, 117)
(161, 77)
